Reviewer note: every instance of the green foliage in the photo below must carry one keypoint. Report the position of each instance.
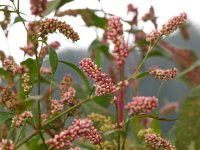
(53, 59)
(188, 125)
(80, 73)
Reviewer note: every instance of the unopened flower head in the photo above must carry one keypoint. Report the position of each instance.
(26, 83)
(45, 71)
(19, 120)
(44, 50)
(153, 36)
(156, 142)
(9, 98)
(9, 63)
(38, 7)
(103, 84)
(163, 74)
(173, 24)
(142, 104)
(80, 128)
(115, 34)
(6, 144)
(51, 25)
(56, 106)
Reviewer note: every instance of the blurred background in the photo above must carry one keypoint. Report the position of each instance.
(180, 49)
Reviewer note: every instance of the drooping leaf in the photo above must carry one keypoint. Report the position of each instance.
(53, 59)
(5, 116)
(55, 5)
(31, 64)
(18, 19)
(80, 73)
(188, 126)
(5, 74)
(24, 106)
(88, 15)
(103, 100)
(142, 75)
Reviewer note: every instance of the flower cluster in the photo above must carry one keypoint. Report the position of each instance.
(51, 25)
(20, 69)
(173, 24)
(142, 104)
(153, 36)
(167, 28)
(163, 74)
(6, 144)
(103, 84)
(115, 34)
(28, 49)
(67, 93)
(105, 122)
(156, 142)
(9, 98)
(79, 128)
(150, 16)
(9, 63)
(38, 7)
(18, 120)
(26, 82)
(56, 106)
(44, 50)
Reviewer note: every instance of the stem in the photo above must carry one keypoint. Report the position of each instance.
(118, 136)
(43, 140)
(159, 89)
(17, 12)
(126, 129)
(27, 139)
(53, 119)
(143, 60)
(20, 133)
(66, 111)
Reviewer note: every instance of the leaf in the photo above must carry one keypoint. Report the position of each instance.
(24, 106)
(188, 126)
(88, 15)
(4, 116)
(80, 73)
(114, 131)
(5, 74)
(142, 75)
(18, 19)
(31, 64)
(190, 68)
(103, 100)
(53, 59)
(97, 48)
(55, 5)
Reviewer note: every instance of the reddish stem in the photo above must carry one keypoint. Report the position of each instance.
(120, 106)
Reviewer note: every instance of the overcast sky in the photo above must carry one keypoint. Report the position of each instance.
(164, 9)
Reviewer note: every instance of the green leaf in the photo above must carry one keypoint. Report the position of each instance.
(193, 66)
(31, 64)
(55, 5)
(188, 126)
(142, 75)
(89, 17)
(18, 19)
(80, 73)
(114, 131)
(103, 100)
(24, 106)
(4, 116)
(5, 74)
(53, 59)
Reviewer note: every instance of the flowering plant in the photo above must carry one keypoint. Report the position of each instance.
(95, 114)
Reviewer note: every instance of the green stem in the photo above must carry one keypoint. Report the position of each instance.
(53, 119)
(143, 60)
(17, 12)
(66, 111)
(118, 135)
(27, 139)
(159, 89)
(43, 140)
(125, 129)
(20, 133)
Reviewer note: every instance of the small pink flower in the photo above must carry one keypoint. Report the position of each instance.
(103, 84)
(163, 74)
(115, 34)
(142, 104)
(6, 144)
(153, 36)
